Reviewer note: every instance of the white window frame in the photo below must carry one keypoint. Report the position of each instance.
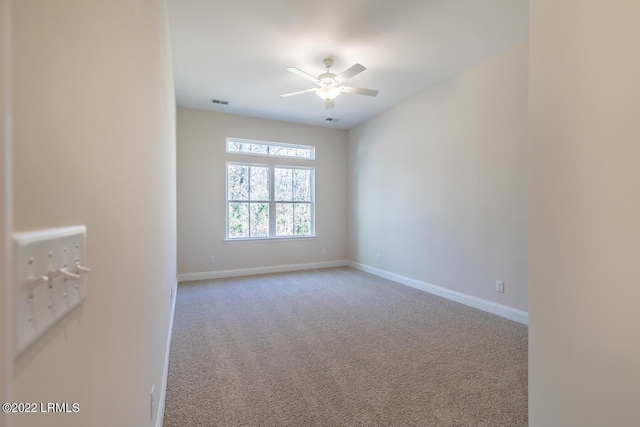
(272, 203)
(311, 148)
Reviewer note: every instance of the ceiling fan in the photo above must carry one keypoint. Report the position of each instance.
(331, 85)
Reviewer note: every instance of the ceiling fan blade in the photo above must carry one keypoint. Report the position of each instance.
(301, 73)
(329, 103)
(350, 72)
(359, 91)
(284, 95)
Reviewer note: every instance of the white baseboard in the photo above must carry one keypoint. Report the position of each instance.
(207, 275)
(163, 390)
(479, 303)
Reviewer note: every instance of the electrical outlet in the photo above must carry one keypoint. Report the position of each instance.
(378, 257)
(212, 260)
(500, 286)
(153, 400)
(324, 252)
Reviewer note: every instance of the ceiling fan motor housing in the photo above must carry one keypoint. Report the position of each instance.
(328, 78)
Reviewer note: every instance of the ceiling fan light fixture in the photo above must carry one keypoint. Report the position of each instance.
(328, 92)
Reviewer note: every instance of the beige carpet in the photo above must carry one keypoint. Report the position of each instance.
(338, 347)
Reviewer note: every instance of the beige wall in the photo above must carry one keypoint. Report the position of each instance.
(201, 192)
(584, 360)
(438, 184)
(94, 139)
(5, 215)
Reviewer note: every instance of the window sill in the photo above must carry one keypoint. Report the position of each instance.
(269, 239)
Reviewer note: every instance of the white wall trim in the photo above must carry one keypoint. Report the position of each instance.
(163, 389)
(514, 314)
(207, 275)
(479, 303)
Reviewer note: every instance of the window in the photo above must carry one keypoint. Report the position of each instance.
(269, 201)
(292, 187)
(271, 149)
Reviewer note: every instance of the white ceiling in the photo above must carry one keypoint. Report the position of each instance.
(239, 51)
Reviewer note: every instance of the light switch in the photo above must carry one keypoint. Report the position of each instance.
(49, 279)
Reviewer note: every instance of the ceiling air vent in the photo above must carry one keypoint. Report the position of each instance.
(331, 120)
(218, 101)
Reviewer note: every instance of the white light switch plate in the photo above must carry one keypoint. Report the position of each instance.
(43, 293)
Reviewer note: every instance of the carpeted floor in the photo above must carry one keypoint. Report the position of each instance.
(338, 347)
